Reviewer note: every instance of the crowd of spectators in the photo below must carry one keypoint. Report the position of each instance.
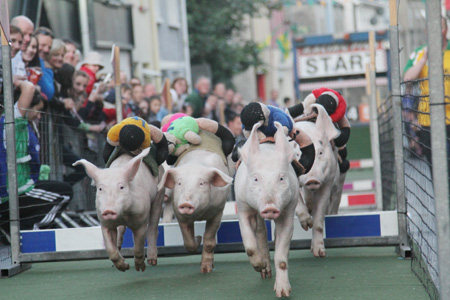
(74, 89)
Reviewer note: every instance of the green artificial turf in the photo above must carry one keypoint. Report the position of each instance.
(347, 273)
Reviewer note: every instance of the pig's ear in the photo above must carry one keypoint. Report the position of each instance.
(167, 180)
(326, 128)
(91, 169)
(281, 143)
(218, 178)
(132, 167)
(251, 146)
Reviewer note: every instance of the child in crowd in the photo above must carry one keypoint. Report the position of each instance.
(155, 106)
(137, 95)
(144, 110)
(80, 82)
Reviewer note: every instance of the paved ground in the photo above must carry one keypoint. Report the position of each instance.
(347, 273)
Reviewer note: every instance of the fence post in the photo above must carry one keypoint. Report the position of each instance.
(439, 144)
(10, 132)
(404, 249)
(374, 132)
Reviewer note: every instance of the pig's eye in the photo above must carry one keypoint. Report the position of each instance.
(255, 179)
(100, 189)
(121, 186)
(281, 177)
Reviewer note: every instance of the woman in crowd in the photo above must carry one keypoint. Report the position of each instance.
(178, 91)
(31, 55)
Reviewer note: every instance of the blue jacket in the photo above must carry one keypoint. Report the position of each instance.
(276, 115)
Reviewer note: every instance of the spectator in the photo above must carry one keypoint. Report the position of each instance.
(18, 66)
(220, 90)
(211, 106)
(137, 95)
(16, 36)
(187, 109)
(31, 56)
(53, 61)
(273, 98)
(71, 49)
(155, 107)
(149, 90)
(287, 102)
(417, 68)
(178, 92)
(80, 82)
(91, 65)
(45, 39)
(111, 93)
(27, 28)
(229, 95)
(135, 81)
(198, 97)
(110, 110)
(144, 109)
(39, 198)
(234, 124)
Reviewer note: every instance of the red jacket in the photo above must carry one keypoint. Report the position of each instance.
(92, 80)
(342, 106)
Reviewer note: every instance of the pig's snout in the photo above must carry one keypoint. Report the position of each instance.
(186, 209)
(312, 184)
(270, 213)
(109, 215)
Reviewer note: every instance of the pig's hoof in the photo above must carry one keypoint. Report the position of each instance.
(266, 273)
(206, 268)
(306, 223)
(282, 289)
(319, 251)
(152, 261)
(122, 266)
(139, 266)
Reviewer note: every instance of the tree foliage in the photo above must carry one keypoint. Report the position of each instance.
(213, 36)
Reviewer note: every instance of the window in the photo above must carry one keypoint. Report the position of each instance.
(173, 13)
(110, 24)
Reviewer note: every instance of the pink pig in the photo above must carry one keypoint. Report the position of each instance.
(127, 195)
(322, 185)
(267, 188)
(200, 185)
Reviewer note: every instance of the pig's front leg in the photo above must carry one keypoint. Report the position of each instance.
(139, 246)
(303, 215)
(110, 240)
(191, 243)
(152, 232)
(317, 243)
(120, 233)
(284, 228)
(247, 225)
(263, 246)
(209, 243)
(168, 210)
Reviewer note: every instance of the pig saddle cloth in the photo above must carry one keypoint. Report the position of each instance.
(210, 142)
(149, 160)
